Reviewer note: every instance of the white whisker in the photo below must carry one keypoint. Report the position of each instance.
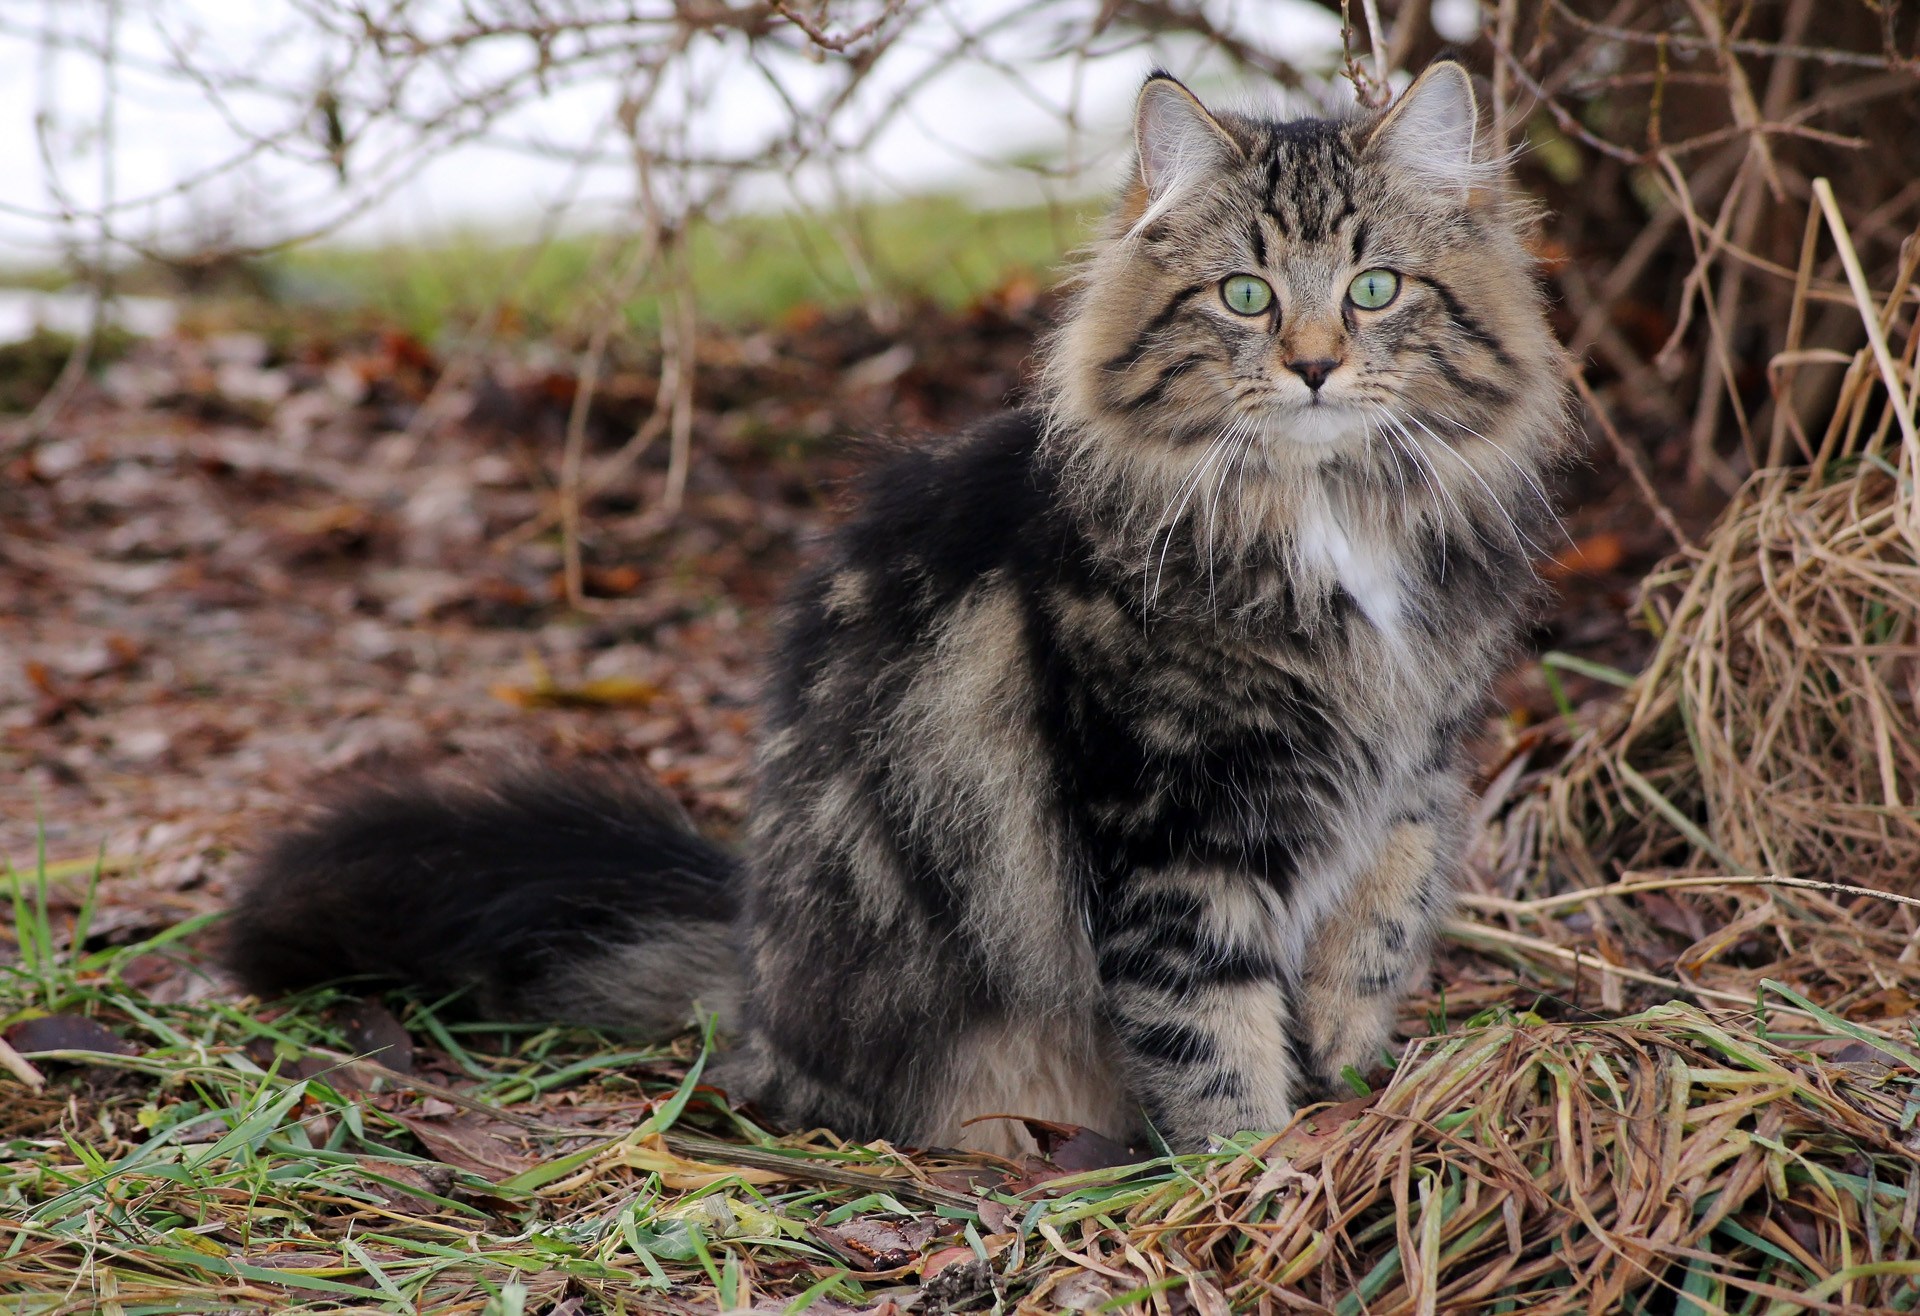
(1247, 433)
(1399, 475)
(1429, 475)
(1188, 486)
(1546, 503)
(1167, 519)
(1519, 536)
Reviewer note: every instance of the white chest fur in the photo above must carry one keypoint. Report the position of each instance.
(1363, 565)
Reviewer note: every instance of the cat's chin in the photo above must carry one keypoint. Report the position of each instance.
(1325, 426)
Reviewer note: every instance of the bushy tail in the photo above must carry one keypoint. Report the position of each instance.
(582, 896)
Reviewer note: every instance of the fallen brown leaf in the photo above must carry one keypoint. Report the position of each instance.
(1074, 1149)
(876, 1245)
(67, 1032)
(371, 1031)
(469, 1141)
(606, 692)
(1593, 556)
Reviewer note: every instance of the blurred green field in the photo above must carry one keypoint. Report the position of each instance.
(746, 270)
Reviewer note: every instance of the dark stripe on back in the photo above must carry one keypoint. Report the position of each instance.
(1222, 1085)
(1162, 911)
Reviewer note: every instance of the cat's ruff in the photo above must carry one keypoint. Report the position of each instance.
(1109, 760)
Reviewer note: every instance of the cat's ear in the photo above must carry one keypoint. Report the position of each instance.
(1430, 131)
(1178, 141)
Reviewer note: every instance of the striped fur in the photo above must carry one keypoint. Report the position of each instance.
(1109, 768)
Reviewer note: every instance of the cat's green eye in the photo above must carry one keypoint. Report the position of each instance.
(1372, 289)
(1246, 295)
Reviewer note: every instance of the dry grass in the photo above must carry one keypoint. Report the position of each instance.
(1776, 730)
(1655, 1163)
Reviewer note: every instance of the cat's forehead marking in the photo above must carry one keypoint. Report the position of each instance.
(1309, 172)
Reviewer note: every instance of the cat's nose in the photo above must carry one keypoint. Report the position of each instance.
(1315, 371)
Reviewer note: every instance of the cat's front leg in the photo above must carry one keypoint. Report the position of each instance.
(1367, 954)
(1199, 994)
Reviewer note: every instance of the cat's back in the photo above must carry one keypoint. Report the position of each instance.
(937, 523)
(938, 515)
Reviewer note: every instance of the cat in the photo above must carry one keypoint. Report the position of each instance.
(1110, 764)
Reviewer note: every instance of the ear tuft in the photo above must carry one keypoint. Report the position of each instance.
(1431, 128)
(1178, 141)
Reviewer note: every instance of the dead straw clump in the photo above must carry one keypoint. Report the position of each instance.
(1777, 728)
(1662, 1162)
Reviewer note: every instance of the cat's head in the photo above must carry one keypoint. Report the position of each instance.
(1318, 291)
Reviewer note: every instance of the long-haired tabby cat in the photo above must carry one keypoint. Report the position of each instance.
(1110, 761)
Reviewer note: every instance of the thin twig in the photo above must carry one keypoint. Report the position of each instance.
(1377, 38)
